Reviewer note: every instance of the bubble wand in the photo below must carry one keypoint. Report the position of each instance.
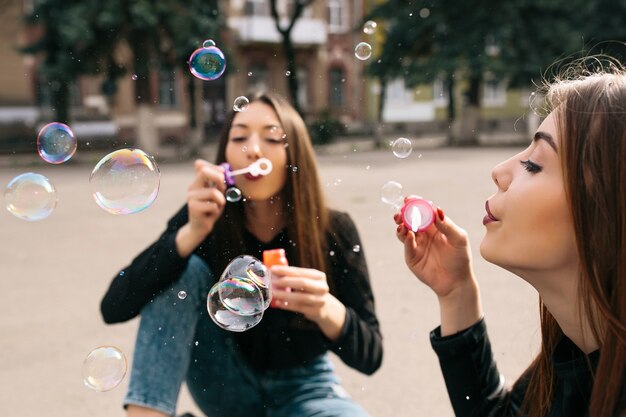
(261, 166)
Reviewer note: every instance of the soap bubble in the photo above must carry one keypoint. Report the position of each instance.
(208, 43)
(233, 194)
(30, 197)
(125, 181)
(241, 103)
(133, 77)
(391, 194)
(249, 268)
(370, 27)
(182, 294)
(56, 143)
(104, 368)
(402, 147)
(207, 63)
(363, 51)
(356, 248)
(223, 316)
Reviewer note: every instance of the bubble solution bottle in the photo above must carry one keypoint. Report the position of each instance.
(273, 257)
(417, 214)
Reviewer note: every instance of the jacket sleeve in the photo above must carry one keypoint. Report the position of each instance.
(360, 342)
(475, 387)
(153, 270)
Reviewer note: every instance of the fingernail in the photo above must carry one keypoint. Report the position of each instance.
(398, 228)
(440, 214)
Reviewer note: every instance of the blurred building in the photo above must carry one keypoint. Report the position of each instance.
(329, 77)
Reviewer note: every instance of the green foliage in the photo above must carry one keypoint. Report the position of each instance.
(325, 129)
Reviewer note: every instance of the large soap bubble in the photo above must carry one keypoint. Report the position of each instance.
(104, 368)
(125, 181)
(207, 63)
(30, 196)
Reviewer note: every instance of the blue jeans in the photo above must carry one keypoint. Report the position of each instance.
(177, 341)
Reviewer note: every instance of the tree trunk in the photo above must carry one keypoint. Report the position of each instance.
(292, 78)
(145, 128)
(465, 129)
(378, 127)
(61, 100)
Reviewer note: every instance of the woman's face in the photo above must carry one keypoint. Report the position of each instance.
(257, 133)
(528, 222)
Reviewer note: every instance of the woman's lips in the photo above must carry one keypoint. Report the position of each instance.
(251, 177)
(488, 217)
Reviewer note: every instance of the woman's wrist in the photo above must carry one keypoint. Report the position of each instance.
(187, 241)
(331, 323)
(461, 308)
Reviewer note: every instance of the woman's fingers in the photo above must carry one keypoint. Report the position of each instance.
(455, 235)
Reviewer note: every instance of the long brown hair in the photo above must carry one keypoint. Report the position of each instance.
(302, 198)
(590, 112)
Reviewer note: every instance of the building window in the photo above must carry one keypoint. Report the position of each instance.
(494, 92)
(307, 12)
(256, 8)
(257, 77)
(167, 88)
(337, 83)
(303, 92)
(440, 92)
(337, 16)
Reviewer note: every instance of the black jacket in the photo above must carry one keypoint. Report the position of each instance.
(477, 389)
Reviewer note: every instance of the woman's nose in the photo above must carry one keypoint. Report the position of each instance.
(254, 148)
(501, 175)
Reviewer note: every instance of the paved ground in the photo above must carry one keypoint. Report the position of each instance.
(54, 272)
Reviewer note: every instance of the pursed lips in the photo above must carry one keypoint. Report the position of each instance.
(488, 217)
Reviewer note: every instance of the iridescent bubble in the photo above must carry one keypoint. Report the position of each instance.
(125, 181)
(104, 368)
(370, 27)
(233, 194)
(30, 197)
(402, 147)
(223, 316)
(182, 294)
(208, 43)
(207, 63)
(391, 194)
(56, 143)
(241, 103)
(363, 51)
(133, 77)
(246, 267)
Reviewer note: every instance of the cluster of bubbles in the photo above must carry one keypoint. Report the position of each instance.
(104, 368)
(241, 296)
(363, 50)
(207, 63)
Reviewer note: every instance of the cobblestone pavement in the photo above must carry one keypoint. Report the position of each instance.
(54, 272)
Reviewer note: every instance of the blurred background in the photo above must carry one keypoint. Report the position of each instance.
(117, 71)
(458, 78)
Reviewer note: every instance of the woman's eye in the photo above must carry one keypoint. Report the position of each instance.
(238, 139)
(274, 140)
(530, 166)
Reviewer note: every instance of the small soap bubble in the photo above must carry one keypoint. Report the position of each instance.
(391, 193)
(250, 74)
(208, 43)
(287, 73)
(370, 27)
(233, 194)
(133, 77)
(402, 147)
(125, 181)
(207, 63)
(104, 368)
(331, 253)
(182, 294)
(30, 196)
(424, 13)
(356, 248)
(241, 103)
(56, 143)
(363, 51)
(294, 169)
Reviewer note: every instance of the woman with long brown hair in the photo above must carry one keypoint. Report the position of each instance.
(558, 221)
(322, 301)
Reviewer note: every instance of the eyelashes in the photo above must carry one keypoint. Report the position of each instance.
(530, 166)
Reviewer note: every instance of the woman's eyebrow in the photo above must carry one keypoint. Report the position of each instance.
(547, 137)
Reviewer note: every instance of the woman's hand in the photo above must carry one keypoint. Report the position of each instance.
(305, 290)
(441, 258)
(205, 204)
